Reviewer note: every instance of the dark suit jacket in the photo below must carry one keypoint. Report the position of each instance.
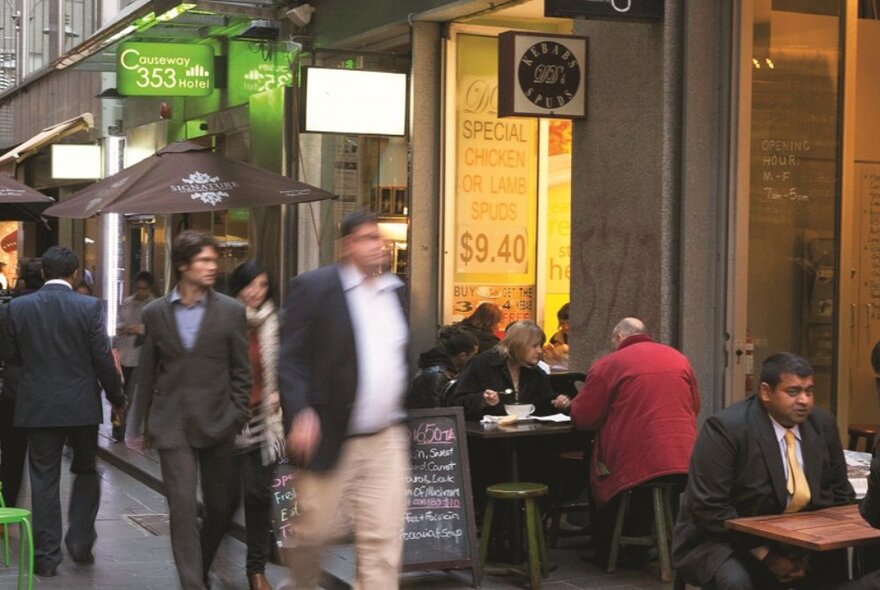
(318, 365)
(199, 397)
(58, 338)
(736, 470)
(870, 506)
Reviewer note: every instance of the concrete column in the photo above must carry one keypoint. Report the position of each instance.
(619, 197)
(425, 200)
(705, 194)
(649, 186)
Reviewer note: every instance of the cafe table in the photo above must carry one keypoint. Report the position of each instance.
(516, 434)
(512, 437)
(818, 530)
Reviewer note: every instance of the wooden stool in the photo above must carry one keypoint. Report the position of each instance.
(529, 493)
(661, 492)
(575, 460)
(22, 518)
(866, 431)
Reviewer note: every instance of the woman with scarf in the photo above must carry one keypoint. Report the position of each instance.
(261, 441)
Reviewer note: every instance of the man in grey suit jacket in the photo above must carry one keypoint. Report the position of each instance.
(58, 340)
(195, 379)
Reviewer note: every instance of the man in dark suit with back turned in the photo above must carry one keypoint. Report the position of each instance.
(343, 375)
(57, 338)
(195, 378)
(768, 454)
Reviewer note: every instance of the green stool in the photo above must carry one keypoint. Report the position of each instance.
(529, 493)
(662, 491)
(21, 517)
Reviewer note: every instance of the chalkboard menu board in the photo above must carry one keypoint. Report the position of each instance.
(439, 530)
(284, 506)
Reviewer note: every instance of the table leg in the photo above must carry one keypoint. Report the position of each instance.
(518, 553)
(514, 461)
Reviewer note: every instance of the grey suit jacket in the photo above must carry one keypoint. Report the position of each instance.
(199, 397)
(736, 470)
(57, 338)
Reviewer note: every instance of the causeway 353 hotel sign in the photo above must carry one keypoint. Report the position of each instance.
(165, 69)
(542, 75)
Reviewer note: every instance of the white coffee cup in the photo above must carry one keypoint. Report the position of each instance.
(519, 410)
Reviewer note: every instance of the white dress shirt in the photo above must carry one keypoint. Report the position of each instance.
(58, 282)
(380, 337)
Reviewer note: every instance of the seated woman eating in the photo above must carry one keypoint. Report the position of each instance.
(509, 374)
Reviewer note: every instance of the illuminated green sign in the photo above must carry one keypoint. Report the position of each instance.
(252, 71)
(165, 69)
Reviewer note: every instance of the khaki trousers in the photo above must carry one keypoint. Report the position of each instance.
(367, 490)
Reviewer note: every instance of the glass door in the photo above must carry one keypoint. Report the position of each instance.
(785, 231)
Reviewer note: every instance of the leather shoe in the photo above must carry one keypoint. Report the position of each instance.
(259, 582)
(45, 571)
(80, 555)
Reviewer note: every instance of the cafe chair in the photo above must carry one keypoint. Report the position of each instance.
(568, 383)
(22, 518)
(529, 493)
(862, 431)
(569, 462)
(662, 492)
(679, 583)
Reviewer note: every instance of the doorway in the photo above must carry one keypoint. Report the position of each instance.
(805, 234)
(786, 231)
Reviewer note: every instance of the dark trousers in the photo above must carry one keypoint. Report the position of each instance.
(44, 462)
(13, 449)
(741, 571)
(256, 479)
(194, 548)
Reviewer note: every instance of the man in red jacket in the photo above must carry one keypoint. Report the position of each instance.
(642, 401)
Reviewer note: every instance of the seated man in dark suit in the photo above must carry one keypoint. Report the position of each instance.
(768, 454)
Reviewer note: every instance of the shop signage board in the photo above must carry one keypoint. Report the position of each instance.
(439, 530)
(494, 236)
(165, 69)
(542, 75)
(630, 10)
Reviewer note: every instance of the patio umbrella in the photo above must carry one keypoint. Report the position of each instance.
(186, 177)
(19, 202)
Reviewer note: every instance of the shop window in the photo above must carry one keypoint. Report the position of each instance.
(509, 210)
(373, 173)
(793, 194)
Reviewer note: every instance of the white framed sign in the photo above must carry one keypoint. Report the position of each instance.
(542, 75)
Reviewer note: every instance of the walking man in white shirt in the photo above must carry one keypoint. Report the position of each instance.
(343, 378)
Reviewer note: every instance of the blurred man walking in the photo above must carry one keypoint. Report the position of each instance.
(343, 378)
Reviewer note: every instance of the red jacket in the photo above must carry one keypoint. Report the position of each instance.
(643, 400)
